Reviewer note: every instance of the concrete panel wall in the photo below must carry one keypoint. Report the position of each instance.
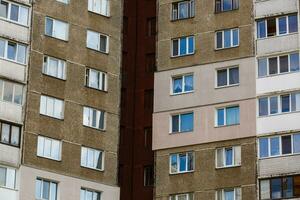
(14, 31)
(11, 112)
(9, 155)
(8, 194)
(274, 7)
(12, 70)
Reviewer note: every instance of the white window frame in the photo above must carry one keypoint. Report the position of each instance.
(42, 145)
(9, 12)
(91, 8)
(236, 163)
(47, 65)
(53, 35)
(85, 190)
(187, 196)
(100, 79)
(98, 47)
(47, 98)
(191, 4)
(17, 51)
(228, 77)
(179, 121)
(231, 38)
(178, 162)
(64, 1)
(11, 171)
(13, 92)
(223, 193)
(183, 84)
(85, 165)
(98, 115)
(187, 46)
(225, 117)
(42, 185)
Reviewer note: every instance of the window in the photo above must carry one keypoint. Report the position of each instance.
(52, 107)
(183, 46)
(92, 158)
(278, 65)
(10, 134)
(96, 79)
(228, 157)
(279, 145)
(227, 38)
(228, 116)
(187, 196)
(57, 29)
(183, 10)
(63, 1)
(226, 5)
(45, 189)
(97, 41)
(229, 194)
(228, 77)
(181, 162)
(182, 122)
(86, 194)
(148, 175)
(13, 51)
(54, 67)
(277, 26)
(49, 148)
(14, 12)
(11, 92)
(280, 187)
(93, 118)
(7, 177)
(183, 84)
(99, 6)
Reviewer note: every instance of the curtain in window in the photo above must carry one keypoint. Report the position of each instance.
(234, 75)
(93, 40)
(190, 161)
(295, 101)
(2, 176)
(287, 183)
(174, 163)
(183, 10)
(265, 189)
(296, 141)
(188, 85)
(229, 156)
(23, 19)
(222, 77)
(232, 115)
(294, 60)
(177, 85)
(5, 133)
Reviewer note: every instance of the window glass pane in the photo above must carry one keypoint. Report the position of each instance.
(83, 156)
(2, 176)
(3, 9)
(229, 156)
(235, 36)
(284, 64)
(38, 189)
(86, 115)
(53, 189)
(220, 158)
(103, 43)
(187, 122)
(173, 159)
(222, 77)
(273, 67)
(104, 7)
(90, 158)
(175, 123)
(295, 98)
(286, 144)
(294, 61)
(183, 42)
(18, 94)
(21, 57)
(101, 120)
(273, 105)
(188, 83)
(296, 141)
(99, 160)
(232, 115)
(182, 162)
(261, 29)
(89, 195)
(5, 133)
(262, 67)
(276, 188)
(275, 149)
(8, 91)
(183, 10)
(191, 44)
(227, 38)
(175, 47)
(190, 161)
(271, 27)
(14, 12)
(49, 26)
(287, 187)
(55, 150)
(23, 19)
(53, 66)
(40, 150)
(221, 120)
(82, 191)
(227, 5)
(219, 40)
(15, 135)
(293, 23)
(263, 147)
(47, 147)
(2, 48)
(43, 105)
(50, 106)
(10, 178)
(264, 189)
(94, 118)
(282, 25)
(285, 103)
(11, 51)
(93, 79)
(233, 75)
(229, 194)
(46, 188)
(93, 40)
(61, 30)
(58, 109)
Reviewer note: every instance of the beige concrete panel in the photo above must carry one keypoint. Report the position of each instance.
(11, 112)
(14, 31)
(12, 70)
(274, 7)
(9, 155)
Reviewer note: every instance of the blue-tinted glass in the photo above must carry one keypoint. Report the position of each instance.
(46, 188)
(49, 26)
(273, 105)
(288, 187)
(294, 62)
(182, 162)
(263, 106)
(222, 77)
(261, 29)
(14, 12)
(219, 40)
(188, 83)
(173, 163)
(262, 67)
(11, 51)
(2, 48)
(274, 142)
(183, 10)
(229, 195)
(177, 85)
(282, 25)
(285, 103)
(227, 5)
(229, 156)
(276, 188)
(232, 115)
(183, 49)
(227, 38)
(187, 122)
(293, 24)
(296, 141)
(235, 36)
(175, 123)
(221, 120)
(191, 44)
(263, 147)
(234, 76)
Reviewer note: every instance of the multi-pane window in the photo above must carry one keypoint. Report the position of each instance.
(226, 5)
(186, 196)
(183, 10)
(279, 104)
(227, 38)
(278, 64)
(52, 107)
(183, 46)
(182, 162)
(148, 175)
(228, 116)
(229, 194)
(228, 77)
(10, 134)
(99, 6)
(57, 28)
(13, 51)
(182, 84)
(279, 145)
(87, 194)
(92, 158)
(97, 41)
(228, 157)
(54, 67)
(280, 188)
(14, 12)
(11, 92)
(45, 189)
(96, 79)
(93, 118)
(182, 122)
(277, 26)
(7, 177)
(49, 148)
(64, 1)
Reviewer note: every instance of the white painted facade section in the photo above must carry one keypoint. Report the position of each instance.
(278, 123)
(9, 155)
(277, 44)
(12, 70)
(279, 166)
(274, 7)
(278, 83)
(11, 112)
(14, 31)
(68, 187)
(8, 194)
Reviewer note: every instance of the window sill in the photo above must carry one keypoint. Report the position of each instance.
(223, 126)
(178, 173)
(182, 19)
(182, 132)
(226, 48)
(14, 22)
(104, 91)
(99, 170)
(278, 114)
(280, 156)
(101, 130)
(13, 61)
(185, 55)
(54, 77)
(47, 158)
(50, 36)
(276, 36)
(226, 11)
(11, 145)
(98, 51)
(182, 93)
(228, 167)
(48, 116)
(93, 12)
(7, 188)
(279, 74)
(227, 86)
